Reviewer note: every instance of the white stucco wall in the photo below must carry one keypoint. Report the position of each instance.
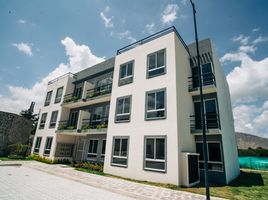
(138, 127)
(66, 83)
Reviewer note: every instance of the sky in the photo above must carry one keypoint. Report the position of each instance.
(41, 40)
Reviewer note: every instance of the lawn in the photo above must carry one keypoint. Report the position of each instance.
(249, 185)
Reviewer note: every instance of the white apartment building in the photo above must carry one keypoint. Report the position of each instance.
(139, 114)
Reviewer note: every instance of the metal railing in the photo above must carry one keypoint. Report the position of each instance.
(66, 125)
(60, 77)
(99, 91)
(212, 121)
(208, 79)
(70, 98)
(94, 123)
(152, 37)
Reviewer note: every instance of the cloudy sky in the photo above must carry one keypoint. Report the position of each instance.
(41, 40)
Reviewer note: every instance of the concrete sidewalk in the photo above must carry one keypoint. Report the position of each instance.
(118, 186)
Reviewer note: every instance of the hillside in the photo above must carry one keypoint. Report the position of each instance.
(244, 141)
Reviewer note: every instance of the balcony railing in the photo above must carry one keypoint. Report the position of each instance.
(211, 121)
(66, 125)
(207, 78)
(99, 91)
(94, 123)
(70, 98)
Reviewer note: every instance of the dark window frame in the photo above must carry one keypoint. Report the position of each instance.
(156, 110)
(52, 124)
(116, 120)
(156, 68)
(155, 137)
(48, 145)
(37, 145)
(48, 98)
(128, 78)
(42, 123)
(91, 155)
(57, 97)
(120, 157)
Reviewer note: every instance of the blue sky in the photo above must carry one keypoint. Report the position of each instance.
(43, 39)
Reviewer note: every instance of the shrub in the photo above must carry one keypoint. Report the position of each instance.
(17, 157)
(101, 126)
(259, 152)
(18, 149)
(47, 160)
(91, 166)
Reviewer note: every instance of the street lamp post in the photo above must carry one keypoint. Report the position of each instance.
(203, 122)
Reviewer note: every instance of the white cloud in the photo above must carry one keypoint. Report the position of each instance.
(24, 47)
(256, 29)
(79, 57)
(244, 40)
(22, 21)
(184, 2)
(125, 35)
(260, 39)
(248, 49)
(108, 23)
(150, 28)
(169, 14)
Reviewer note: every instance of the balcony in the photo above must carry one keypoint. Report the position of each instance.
(208, 80)
(83, 127)
(89, 97)
(212, 123)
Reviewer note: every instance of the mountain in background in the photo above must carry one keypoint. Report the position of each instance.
(245, 141)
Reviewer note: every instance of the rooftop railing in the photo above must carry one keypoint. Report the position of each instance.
(152, 37)
(60, 77)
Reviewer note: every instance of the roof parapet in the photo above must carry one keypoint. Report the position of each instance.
(69, 74)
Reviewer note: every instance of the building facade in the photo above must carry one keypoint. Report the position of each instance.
(139, 114)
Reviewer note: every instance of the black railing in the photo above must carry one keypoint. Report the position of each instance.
(207, 79)
(99, 91)
(212, 121)
(152, 37)
(94, 123)
(70, 98)
(66, 125)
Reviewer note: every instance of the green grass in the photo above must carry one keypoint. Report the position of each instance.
(248, 185)
(5, 158)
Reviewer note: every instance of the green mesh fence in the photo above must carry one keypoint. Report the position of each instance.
(254, 163)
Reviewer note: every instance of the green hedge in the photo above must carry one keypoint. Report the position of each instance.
(47, 160)
(91, 166)
(17, 150)
(259, 152)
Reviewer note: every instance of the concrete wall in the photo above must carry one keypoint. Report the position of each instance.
(66, 83)
(138, 127)
(13, 129)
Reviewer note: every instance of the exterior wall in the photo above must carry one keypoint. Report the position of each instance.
(66, 83)
(184, 103)
(227, 123)
(138, 127)
(13, 129)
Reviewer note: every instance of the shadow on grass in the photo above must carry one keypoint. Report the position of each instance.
(247, 179)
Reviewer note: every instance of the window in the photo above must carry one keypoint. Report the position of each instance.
(53, 119)
(78, 92)
(73, 119)
(58, 95)
(215, 162)
(206, 73)
(37, 144)
(43, 121)
(156, 63)
(123, 107)
(93, 149)
(120, 151)
(155, 153)
(155, 104)
(48, 146)
(48, 98)
(103, 149)
(126, 73)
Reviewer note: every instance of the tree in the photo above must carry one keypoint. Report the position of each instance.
(29, 114)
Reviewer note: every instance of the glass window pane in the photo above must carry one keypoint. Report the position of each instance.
(210, 106)
(120, 106)
(155, 165)
(156, 72)
(161, 58)
(90, 148)
(124, 147)
(160, 148)
(199, 149)
(149, 148)
(129, 69)
(120, 161)
(151, 101)
(152, 61)
(160, 100)
(127, 105)
(103, 146)
(95, 146)
(123, 71)
(116, 147)
(214, 152)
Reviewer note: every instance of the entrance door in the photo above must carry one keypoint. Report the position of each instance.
(80, 149)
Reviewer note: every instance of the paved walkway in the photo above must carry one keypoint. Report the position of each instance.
(114, 186)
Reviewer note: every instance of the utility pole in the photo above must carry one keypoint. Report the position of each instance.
(203, 122)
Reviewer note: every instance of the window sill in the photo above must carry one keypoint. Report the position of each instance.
(155, 170)
(118, 165)
(155, 118)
